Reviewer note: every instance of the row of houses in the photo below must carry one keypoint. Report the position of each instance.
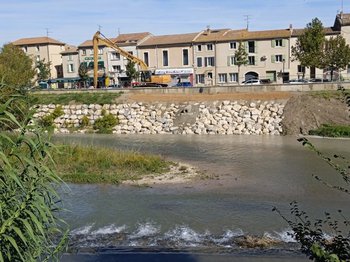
(201, 58)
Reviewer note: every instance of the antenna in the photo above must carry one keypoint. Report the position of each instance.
(47, 32)
(342, 6)
(99, 27)
(118, 31)
(247, 18)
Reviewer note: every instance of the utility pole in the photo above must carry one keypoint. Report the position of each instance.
(99, 27)
(247, 18)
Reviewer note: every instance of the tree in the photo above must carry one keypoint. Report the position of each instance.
(131, 71)
(336, 54)
(309, 45)
(83, 73)
(43, 70)
(241, 58)
(15, 67)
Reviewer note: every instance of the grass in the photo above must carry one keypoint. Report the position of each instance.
(331, 131)
(82, 164)
(331, 94)
(74, 98)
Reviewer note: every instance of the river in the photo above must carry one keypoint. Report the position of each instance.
(249, 176)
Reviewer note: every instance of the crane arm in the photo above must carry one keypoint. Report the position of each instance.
(101, 39)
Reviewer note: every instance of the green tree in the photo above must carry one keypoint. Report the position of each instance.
(241, 58)
(43, 70)
(16, 68)
(308, 49)
(29, 227)
(131, 71)
(336, 54)
(83, 73)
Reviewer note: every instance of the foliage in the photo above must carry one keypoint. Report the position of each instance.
(28, 201)
(104, 124)
(309, 45)
(331, 131)
(43, 70)
(84, 121)
(76, 98)
(241, 57)
(312, 235)
(336, 54)
(47, 122)
(83, 73)
(15, 67)
(131, 71)
(83, 164)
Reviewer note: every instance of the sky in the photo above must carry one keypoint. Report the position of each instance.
(74, 21)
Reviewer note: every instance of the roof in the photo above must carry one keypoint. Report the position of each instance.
(210, 35)
(327, 31)
(70, 50)
(37, 40)
(344, 19)
(169, 39)
(88, 43)
(131, 38)
(239, 35)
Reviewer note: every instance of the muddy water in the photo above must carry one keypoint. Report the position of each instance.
(251, 175)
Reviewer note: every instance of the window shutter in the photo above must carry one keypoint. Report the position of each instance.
(255, 47)
(205, 62)
(273, 43)
(284, 42)
(284, 58)
(68, 68)
(229, 61)
(273, 59)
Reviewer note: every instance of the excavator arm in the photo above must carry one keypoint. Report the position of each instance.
(99, 39)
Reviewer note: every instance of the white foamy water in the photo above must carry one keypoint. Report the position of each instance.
(111, 229)
(185, 236)
(145, 230)
(228, 236)
(82, 230)
(284, 236)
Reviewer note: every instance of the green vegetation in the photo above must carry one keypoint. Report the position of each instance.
(47, 122)
(43, 70)
(333, 94)
(77, 98)
(104, 124)
(327, 239)
(241, 58)
(29, 227)
(79, 164)
(131, 71)
(331, 131)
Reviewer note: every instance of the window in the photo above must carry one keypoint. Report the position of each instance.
(222, 78)
(70, 68)
(200, 79)
(116, 68)
(199, 62)
(301, 69)
(25, 49)
(131, 52)
(251, 46)
(199, 48)
(251, 60)
(231, 60)
(279, 58)
(185, 57)
(209, 61)
(278, 42)
(115, 56)
(146, 58)
(210, 75)
(209, 47)
(84, 51)
(91, 51)
(233, 77)
(348, 69)
(233, 45)
(37, 58)
(100, 51)
(165, 58)
(70, 58)
(37, 48)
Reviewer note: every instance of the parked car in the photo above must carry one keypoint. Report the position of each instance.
(297, 81)
(184, 84)
(114, 86)
(252, 82)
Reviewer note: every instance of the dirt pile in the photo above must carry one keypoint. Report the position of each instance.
(306, 112)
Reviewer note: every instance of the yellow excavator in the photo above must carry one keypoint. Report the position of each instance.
(147, 79)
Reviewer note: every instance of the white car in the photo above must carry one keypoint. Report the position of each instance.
(297, 81)
(252, 82)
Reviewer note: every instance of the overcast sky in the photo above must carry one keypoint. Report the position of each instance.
(74, 21)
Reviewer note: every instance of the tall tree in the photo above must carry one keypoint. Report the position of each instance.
(309, 45)
(83, 73)
(336, 54)
(131, 71)
(241, 58)
(43, 70)
(15, 67)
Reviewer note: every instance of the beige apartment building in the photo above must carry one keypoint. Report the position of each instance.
(44, 48)
(170, 55)
(70, 61)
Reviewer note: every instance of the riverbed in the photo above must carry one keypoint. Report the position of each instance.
(246, 177)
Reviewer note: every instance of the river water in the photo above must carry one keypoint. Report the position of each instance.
(249, 176)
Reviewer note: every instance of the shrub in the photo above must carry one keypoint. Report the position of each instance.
(84, 122)
(104, 124)
(47, 122)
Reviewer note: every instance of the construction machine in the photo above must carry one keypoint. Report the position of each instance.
(147, 79)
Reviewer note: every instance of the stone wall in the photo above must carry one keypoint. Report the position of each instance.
(219, 117)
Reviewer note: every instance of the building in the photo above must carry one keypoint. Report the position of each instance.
(70, 62)
(44, 48)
